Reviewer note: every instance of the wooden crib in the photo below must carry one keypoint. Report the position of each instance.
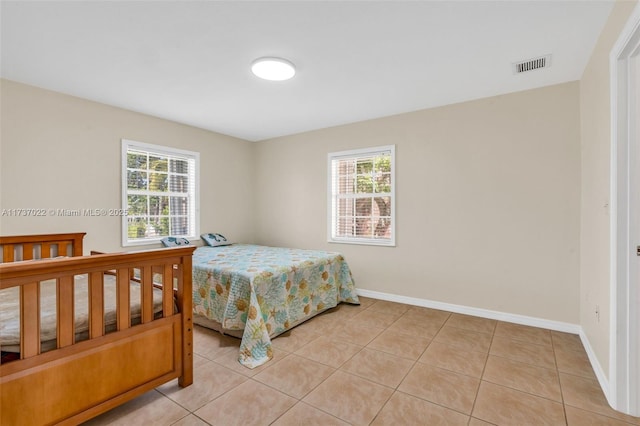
(78, 380)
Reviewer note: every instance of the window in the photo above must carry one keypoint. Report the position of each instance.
(159, 193)
(361, 196)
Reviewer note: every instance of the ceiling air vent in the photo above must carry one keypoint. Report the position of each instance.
(532, 64)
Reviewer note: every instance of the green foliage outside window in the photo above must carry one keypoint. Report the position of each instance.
(154, 208)
(373, 176)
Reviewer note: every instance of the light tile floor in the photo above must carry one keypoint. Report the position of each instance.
(384, 363)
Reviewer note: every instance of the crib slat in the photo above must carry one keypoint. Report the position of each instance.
(45, 250)
(8, 253)
(27, 251)
(76, 248)
(123, 306)
(65, 317)
(96, 304)
(147, 295)
(62, 248)
(29, 320)
(167, 290)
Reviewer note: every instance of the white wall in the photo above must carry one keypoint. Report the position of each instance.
(63, 152)
(488, 199)
(595, 114)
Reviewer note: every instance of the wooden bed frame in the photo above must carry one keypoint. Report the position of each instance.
(77, 381)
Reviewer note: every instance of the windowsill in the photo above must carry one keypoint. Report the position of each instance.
(154, 241)
(364, 243)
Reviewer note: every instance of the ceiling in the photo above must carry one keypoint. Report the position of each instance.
(189, 61)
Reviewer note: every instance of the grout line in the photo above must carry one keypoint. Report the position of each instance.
(434, 403)
(484, 368)
(564, 406)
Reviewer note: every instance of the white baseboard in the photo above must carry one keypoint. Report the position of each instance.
(597, 368)
(478, 312)
(503, 316)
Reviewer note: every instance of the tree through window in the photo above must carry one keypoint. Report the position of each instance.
(362, 196)
(159, 192)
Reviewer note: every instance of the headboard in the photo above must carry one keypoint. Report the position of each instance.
(28, 247)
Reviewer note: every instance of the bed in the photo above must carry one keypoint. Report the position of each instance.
(88, 366)
(258, 292)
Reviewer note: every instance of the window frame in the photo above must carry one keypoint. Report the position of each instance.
(332, 196)
(152, 149)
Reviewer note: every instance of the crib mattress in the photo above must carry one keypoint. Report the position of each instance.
(10, 311)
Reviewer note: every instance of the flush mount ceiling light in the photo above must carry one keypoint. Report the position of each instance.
(274, 69)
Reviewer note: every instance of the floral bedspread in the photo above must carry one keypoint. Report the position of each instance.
(266, 291)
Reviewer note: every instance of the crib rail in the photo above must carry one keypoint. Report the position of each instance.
(78, 380)
(43, 246)
(167, 263)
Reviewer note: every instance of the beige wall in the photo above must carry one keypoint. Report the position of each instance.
(488, 199)
(59, 151)
(595, 221)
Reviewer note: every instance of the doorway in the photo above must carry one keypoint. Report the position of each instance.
(624, 371)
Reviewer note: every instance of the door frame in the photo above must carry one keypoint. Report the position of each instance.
(624, 353)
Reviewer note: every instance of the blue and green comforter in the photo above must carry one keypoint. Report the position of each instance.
(266, 291)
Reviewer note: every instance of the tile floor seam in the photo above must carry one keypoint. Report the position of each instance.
(580, 351)
(278, 390)
(180, 419)
(425, 348)
(217, 397)
(384, 353)
(456, 347)
(450, 370)
(318, 408)
(597, 413)
(392, 354)
(526, 363)
(484, 421)
(434, 403)
(484, 368)
(440, 328)
(564, 405)
(368, 380)
(319, 384)
(328, 365)
(302, 402)
(465, 328)
(326, 412)
(517, 340)
(336, 370)
(404, 378)
(382, 406)
(521, 360)
(200, 418)
(523, 391)
(395, 389)
(312, 389)
(404, 333)
(176, 402)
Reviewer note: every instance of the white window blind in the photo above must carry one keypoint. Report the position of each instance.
(159, 192)
(361, 196)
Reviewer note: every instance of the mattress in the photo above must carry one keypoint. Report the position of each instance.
(259, 292)
(10, 311)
